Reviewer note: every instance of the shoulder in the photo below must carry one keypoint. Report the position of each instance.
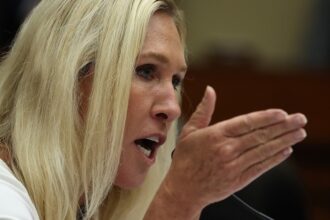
(15, 202)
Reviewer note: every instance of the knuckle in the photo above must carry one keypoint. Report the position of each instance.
(261, 136)
(264, 152)
(226, 151)
(248, 123)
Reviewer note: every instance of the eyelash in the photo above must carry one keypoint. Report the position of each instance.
(176, 81)
(148, 71)
(141, 71)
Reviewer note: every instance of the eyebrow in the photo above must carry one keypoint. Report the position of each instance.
(161, 58)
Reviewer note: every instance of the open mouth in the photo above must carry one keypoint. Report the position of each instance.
(147, 145)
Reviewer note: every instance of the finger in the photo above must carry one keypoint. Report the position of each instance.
(266, 134)
(202, 116)
(246, 123)
(256, 170)
(268, 150)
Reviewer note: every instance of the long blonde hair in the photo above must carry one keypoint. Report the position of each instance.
(56, 155)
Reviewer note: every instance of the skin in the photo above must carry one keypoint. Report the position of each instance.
(211, 162)
(153, 103)
(4, 155)
(160, 68)
(215, 161)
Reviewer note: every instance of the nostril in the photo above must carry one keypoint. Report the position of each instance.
(162, 116)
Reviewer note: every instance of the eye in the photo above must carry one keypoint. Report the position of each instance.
(146, 71)
(176, 81)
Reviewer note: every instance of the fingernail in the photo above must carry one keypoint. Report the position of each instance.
(207, 88)
(301, 119)
(288, 151)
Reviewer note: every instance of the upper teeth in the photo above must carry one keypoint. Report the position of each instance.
(154, 139)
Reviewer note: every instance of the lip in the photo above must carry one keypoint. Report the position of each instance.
(152, 158)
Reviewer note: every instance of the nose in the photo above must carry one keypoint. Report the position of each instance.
(166, 106)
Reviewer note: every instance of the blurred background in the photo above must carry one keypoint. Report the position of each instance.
(257, 54)
(267, 54)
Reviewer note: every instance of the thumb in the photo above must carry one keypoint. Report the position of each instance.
(202, 116)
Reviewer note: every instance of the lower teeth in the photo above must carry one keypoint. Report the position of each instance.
(144, 151)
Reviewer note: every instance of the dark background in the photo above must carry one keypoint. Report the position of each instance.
(256, 55)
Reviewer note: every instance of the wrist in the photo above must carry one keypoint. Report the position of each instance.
(173, 203)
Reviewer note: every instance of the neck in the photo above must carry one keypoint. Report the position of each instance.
(4, 153)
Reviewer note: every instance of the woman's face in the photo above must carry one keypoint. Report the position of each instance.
(153, 104)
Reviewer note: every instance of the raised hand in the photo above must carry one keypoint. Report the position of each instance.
(212, 162)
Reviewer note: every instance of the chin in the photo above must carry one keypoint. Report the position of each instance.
(129, 184)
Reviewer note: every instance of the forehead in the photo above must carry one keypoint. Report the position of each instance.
(162, 37)
(162, 24)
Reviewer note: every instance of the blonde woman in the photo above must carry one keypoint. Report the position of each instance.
(88, 106)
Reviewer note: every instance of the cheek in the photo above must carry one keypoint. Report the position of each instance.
(130, 172)
(139, 106)
(139, 90)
